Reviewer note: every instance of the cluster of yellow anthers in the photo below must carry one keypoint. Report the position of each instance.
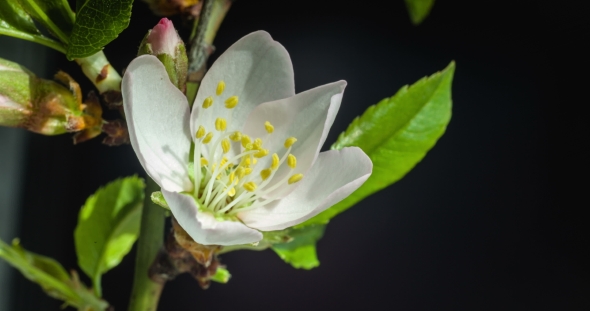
(227, 186)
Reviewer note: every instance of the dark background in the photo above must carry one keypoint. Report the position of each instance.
(493, 217)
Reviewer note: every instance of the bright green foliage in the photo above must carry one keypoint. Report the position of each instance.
(51, 276)
(419, 9)
(221, 276)
(98, 22)
(396, 134)
(301, 251)
(108, 226)
(55, 15)
(15, 22)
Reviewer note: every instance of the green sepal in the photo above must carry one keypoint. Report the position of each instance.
(108, 226)
(222, 276)
(51, 276)
(98, 22)
(300, 252)
(419, 10)
(396, 134)
(158, 199)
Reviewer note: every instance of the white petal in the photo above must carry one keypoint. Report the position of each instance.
(256, 69)
(334, 176)
(203, 227)
(307, 116)
(158, 121)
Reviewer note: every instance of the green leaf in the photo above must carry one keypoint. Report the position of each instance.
(221, 276)
(55, 15)
(15, 22)
(98, 22)
(419, 9)
(300, 252)
(396, 134)
(51, 276)
(108, 226)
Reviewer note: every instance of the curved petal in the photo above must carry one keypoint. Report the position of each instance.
(334, 176)
(158, 121)
(203, 227)
(307, 116)
(256, 69)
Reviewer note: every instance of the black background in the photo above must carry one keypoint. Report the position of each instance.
(493, 217)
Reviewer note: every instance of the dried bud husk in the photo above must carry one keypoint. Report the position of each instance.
(44, 106)
(163, 42)
(173, 7)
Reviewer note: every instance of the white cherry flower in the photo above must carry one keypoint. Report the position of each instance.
(255, 158)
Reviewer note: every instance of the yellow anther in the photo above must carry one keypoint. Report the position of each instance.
(220, 88)
(241, 172)
(257, 144)
(269, 128)
(235, 136)
(218, 177)
(231, 192)
(223, 161)
(249, 147)
(275, 161)
(225, 145)
(265, 173)
(295, 178)
(291, 161)
(261, 153)
(231, 102)
(208, 138)
(220, 124)
(248, 171)
(208, 102)
(254, 161)
(232, 176)
(204, 162)
(246, 162)
(245, 140)
(290, 141)
(200, 132)
(250, 186)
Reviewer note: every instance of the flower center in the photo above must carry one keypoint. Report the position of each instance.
(225, 162)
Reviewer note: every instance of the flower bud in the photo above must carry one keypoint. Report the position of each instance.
(43, 106)
(164, 43)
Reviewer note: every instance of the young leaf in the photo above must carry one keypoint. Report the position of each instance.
(301, 251)
(15, 22)
(55, 15)
(396, 134)
(51, 276)
(419, 9)
(222, 275)
(108, 225)
(98, 22)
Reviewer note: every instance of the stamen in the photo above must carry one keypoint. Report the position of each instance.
(248, 171)
(240, 172)
(261, 153)
(290, 141)
(265, 173)
(231, 192)
(232, 175)
(295, 178)
(250, 186)
(257, 144)
(208, 138)
(275, 161)
(245, 140)
(231, 102)
(291, 161)
(220, 124)
(208, 102)
(225, 145)
(220, 88)
(235, 136)
(200, 132)
(223, 161)
(269, 128)
(204, 162)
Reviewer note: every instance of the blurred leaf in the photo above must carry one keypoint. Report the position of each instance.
(300, 252)
(51, 276)
(419, 9)
(221, 276)
(396, 134)
(108, 226)
(98, 22)
(15, 22)
(55, 15)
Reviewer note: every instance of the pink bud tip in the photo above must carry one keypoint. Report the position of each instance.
(164, 38)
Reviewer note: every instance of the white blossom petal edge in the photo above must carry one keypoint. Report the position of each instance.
(257, 164)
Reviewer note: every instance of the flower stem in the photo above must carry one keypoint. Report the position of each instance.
(100, 72)
(146, 291)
